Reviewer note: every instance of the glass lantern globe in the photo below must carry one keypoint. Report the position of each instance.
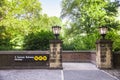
(56, 31)
(103, 30)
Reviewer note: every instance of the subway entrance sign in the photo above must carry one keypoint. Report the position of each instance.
(24, 59)
(31, 58)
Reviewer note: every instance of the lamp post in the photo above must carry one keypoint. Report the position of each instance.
(104, 50)
(56, 31)
(56, 49)
(103, 31)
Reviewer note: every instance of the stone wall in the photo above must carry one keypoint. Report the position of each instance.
(7, 58)
(93, 57)
(31, 59)
(24, 59)
(116, 59)
(79, 56)
(87, 56)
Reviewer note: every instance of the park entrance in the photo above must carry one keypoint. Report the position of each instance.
(103, 57)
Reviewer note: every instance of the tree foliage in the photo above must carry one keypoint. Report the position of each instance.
(19, 18)
(38, 40)
(86, 16)
(4, 39)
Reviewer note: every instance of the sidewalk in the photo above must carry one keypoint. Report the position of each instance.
(86, 71)
(114, 72)
(71, 71)
(79, 66)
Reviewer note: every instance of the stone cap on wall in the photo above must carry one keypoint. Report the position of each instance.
(56, 41)
(81, 51)
(104, 41)
(116, 52)
(24, 52)
(45, 52)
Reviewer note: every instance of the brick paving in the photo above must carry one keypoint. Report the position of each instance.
(71, 71)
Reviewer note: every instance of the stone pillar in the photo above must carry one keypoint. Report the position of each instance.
(55, 54)
(104, 54)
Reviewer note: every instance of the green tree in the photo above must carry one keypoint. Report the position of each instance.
(86, 16)
(22, 17)
(16, 15)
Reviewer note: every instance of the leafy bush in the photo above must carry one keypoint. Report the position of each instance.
(68, 46)
(38, 40)
(5, 38)
(5, 44)
(114, 35)
(81, 42)
(85, 42)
